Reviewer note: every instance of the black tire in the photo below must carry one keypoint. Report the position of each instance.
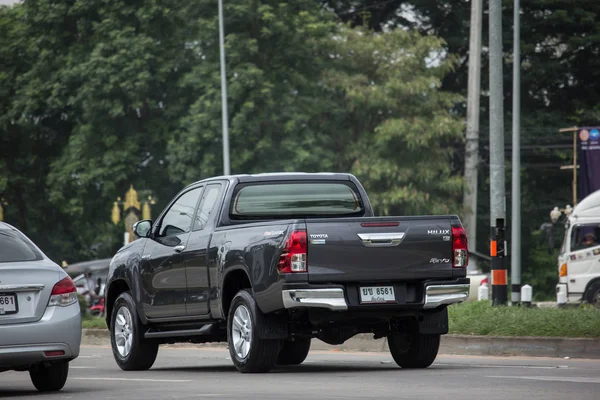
(261, 354)
(414, 350)
(592, 295)
(50, 377)
(142, 354)
(294, 353)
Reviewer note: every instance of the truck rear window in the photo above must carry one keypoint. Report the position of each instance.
(301, 199)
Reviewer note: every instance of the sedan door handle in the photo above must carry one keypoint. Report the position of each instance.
(179, 248)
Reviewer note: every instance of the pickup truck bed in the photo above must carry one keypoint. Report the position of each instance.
(267, 262)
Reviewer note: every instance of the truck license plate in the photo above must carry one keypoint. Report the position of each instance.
(377, 294)
(8, 304)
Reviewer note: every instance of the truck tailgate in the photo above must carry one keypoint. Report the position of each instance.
(379, 249)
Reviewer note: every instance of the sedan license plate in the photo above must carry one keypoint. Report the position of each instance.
(377, 294)
(8, 304)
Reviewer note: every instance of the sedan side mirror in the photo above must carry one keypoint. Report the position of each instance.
(142, 228)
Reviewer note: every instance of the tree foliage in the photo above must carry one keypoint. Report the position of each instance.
(97, 95)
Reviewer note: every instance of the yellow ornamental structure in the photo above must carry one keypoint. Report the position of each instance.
(131, 199)
(131, 212)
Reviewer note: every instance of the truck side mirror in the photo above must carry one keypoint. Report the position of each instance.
(142, 228)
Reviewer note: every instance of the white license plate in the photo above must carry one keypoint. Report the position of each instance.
(8, 304)
(377, 294)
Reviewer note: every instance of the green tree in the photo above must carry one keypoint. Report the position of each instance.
(393, 125)
(273, 65)
(306, 94)
(93, 96)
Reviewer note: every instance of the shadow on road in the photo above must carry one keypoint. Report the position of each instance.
(65, 393)
(308, 368)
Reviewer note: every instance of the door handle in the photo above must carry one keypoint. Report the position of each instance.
(179, 248)
(381, 239)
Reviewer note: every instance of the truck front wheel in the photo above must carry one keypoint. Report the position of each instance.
(592, 295)
(131, 350)
(414, 350)
(248, 351)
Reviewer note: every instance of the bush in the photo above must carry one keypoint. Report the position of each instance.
(83, 304)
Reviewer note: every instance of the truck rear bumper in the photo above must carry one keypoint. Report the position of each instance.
(332, 298)
(335, 298)
(437, 295)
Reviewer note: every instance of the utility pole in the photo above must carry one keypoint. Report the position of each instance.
(497, 169)
(472, 142)
(515, 260)
(224, 116)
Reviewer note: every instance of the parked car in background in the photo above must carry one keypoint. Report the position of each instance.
(40, 318)
(98, 268)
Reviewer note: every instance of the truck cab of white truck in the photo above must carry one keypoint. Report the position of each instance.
(579, 259)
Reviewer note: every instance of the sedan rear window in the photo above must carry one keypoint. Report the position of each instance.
(301, 199)
(14, 248)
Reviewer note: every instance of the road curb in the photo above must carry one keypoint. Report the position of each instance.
(451, 344)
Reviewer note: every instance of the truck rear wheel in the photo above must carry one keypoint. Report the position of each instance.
(249, 353)
(294, 353)
(414, 350)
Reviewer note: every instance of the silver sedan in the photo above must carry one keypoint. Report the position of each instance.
(40, 318)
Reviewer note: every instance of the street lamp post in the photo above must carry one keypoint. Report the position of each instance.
(224, 116)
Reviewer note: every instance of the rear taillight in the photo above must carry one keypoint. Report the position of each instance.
(293, 257)
(460, 252)
(64, 293)
(563, 270)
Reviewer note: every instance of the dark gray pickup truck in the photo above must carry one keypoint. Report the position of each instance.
(268, 262)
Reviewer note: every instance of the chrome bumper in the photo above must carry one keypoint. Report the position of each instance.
(437, 295)
(332, 299)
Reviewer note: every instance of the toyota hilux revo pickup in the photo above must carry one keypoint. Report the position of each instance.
(268, 262)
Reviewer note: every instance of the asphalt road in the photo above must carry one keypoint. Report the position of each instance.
(191, 373)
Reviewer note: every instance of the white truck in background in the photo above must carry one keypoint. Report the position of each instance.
(579, 258)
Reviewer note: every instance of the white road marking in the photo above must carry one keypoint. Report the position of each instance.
(574, 379)
(504, 366)
(132, 380)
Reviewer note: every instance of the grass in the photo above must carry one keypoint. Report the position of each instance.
(89, 322)
(480, 318)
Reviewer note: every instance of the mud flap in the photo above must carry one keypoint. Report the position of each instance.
(271, 326)
(434, 323)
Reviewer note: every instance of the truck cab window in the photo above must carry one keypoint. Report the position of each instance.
(585, 236)
(179, 217)
(209, 199)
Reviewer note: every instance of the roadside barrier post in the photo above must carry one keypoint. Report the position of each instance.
(498, 254)
(526, 295)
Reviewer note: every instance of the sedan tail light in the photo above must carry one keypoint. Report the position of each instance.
(64, 293)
